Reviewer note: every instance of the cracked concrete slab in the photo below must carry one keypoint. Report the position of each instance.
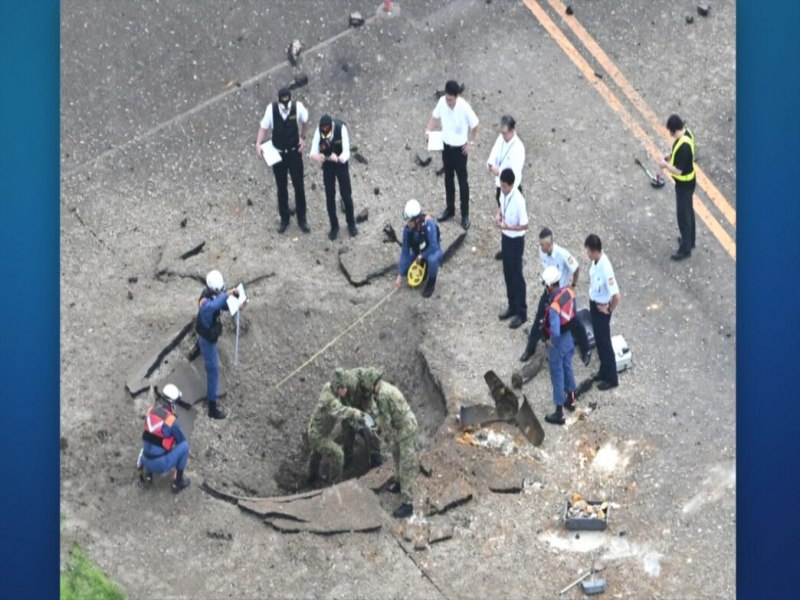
(504, 475)
(442, 498)
(360, 268)
(140, 378)
(345, 507)
(190, 377)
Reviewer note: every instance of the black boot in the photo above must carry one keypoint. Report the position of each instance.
(375, 459)
(569, 403)
(556, 418)
(214, 411)
(180, 483)
(427, 291)
(394, 486)
(403, 511)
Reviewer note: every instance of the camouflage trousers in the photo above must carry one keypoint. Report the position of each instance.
(404, 454)
(332, 448)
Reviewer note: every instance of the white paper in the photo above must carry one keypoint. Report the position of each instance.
(270, 154)
(235, 303)
(435, 141)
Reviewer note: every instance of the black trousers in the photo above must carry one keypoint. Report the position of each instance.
(684, 207)
(455, 164)
(291, 164)
(331, 172)
(575, 327)
(601, 323)
(513, 250)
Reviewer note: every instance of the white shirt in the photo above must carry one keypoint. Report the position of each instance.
(562, 259)
(508, 155)
(345, 155)
(302, 114)
(513, 211)
(602, 283)
(456, 121)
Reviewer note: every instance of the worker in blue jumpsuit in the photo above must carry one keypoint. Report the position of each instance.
(164, 446)
(421, 244)
(213, 300)
(561, 347)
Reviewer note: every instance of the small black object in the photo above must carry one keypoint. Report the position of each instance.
(430, 285)
(376, 191)
(570, 11)
(300, 80)
(703, 9)
(360, 158)
(356, 19)
(133, 279)
(689, 19)
(185, 220)
(130, 295)
(249, 202)
(403, 511)
(498, 255)
(440, 171)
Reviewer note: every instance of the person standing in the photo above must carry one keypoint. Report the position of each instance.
(421, 243)
(164, 446)
(213, 300)
(604, 297)
(288, 120)
(508, 152)
(512, 221)
(560, 312)
(459, 125)
(551, 254)
(331, 148)
(680, 165)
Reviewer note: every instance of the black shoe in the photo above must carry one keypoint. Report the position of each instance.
(499, 255)
(180, 484)
(445, 215)
(333, 233)
(465, 223)
(596, 376)
(557, 417)
(403, 511)
(506, 314)
(375, 459)
(303, 225)
(430, 285)
(569, 402)
(680, 255)
(680, 242)
(393, 487)
(353, 230)
(214, 411)
(516, 322)
(605, 385)
(587, 358)
(525, 356)
(283, 226)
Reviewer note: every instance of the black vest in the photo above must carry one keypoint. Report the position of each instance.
(210, 334)
(332, 145)
(285, 134)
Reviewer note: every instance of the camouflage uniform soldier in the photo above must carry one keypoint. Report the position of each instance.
(398, 427)
(331, 410)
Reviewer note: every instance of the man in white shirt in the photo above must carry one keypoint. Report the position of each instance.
(331, 148)
(459, 125)
(508, 152)
(288, 121)
(604, 298)
(551, 254)
(512, 221)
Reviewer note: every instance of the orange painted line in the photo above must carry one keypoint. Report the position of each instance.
(627, 119)
(630, 92)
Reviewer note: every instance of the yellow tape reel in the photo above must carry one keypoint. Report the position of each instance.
(416, 274)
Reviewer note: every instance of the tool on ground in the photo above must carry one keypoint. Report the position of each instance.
(574, 583)
(390, 235)
(529, 424)
(656, 180)
(593, 585)
(416, 273)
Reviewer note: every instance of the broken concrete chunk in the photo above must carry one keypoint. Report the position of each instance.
(130, 295)
(293, 51)
(363, 215)
(440, 531)
(703, 9)
(138, 379)
(359, 158)
(185, 220)
(356, 20)
(453, 494)
(689, 19)
(569, 10)
(300, 80)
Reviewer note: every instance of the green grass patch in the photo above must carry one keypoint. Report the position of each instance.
(83, 580)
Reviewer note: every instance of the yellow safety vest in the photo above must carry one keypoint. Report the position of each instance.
(687, 138)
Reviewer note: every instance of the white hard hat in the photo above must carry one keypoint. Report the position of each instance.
(412, 209)
(551, 275)
(171, 392)
(214, 281)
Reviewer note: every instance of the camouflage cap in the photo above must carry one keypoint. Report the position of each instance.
(342, 378)
(371, 375)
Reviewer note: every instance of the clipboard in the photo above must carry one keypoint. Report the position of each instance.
(270, 154)
(435, 141)
(235, 303)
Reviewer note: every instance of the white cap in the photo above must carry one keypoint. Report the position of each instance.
(551, 275)
(171, 392)
(214, 281)
(412, 209)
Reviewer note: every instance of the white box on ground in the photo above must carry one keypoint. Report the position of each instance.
(622, 353)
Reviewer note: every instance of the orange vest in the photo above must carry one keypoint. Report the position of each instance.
(157, 417)
(564, 304)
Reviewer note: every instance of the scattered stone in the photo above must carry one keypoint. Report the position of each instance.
(424, 158)
(193, 252)
(133, 279)
(185, 220)
(689, 19)
(363, 215)
(376, 191)
(426, 465)
(359, 158)
(293, 51)
(249, 202)
(130, 295)
(703, 9)
(300, 80)
(356, 19)
(599, 76)
(570, 11)
(219, 535)
(313, 186)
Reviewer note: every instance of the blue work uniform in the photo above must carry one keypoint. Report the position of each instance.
(559, 356)
(156, 459)
(209, 329)
(424, 242)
